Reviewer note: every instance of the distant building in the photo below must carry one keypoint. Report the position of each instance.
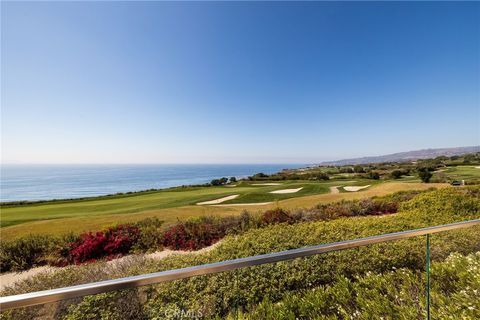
(458, 183)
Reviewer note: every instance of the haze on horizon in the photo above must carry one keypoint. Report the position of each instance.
(154, 82)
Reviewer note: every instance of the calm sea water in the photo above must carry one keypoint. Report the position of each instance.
(43, 182)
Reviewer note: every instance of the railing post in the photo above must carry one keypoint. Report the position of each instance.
(428, 276)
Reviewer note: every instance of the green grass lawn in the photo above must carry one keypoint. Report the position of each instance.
(308, 188)
(178, 204)
(115, 205)
(462, 172)
(170, 198)
(183, 197)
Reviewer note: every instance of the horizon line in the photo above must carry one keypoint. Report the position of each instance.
(158, 163)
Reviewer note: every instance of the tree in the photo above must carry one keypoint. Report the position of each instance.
(216, 182)
(469, 158)
(374, 175)
(345, 170)
(258, 176)
(233, 179)
(223, 180)
(396, 174)
(424, 174)
(358, 169)
(322, 176)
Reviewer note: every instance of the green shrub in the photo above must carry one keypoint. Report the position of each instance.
(425, 174)
(122, 304)
(276, 215)
(226, 290)
(200, 232)
(396, 174)
(150, 235)
(399, 294)
(25, 253)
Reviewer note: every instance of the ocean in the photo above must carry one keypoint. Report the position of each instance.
(46, 182)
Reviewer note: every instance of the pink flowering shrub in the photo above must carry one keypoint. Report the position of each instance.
(111, 243)
(276, 215)
(193, 235)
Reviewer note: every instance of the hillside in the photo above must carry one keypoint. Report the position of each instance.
(406, 156)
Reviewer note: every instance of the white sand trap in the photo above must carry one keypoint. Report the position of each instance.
(477, 167)
(217, 201)
(266, 184)
(287, 190)
(355, 188)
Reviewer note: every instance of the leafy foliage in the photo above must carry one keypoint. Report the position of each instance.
(192, 235)
(274, 216)
(26, 252)
(37, 250)
(113, 242)
(150, 235)
(398, 294)
(425, 174)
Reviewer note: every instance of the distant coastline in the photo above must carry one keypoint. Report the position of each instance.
(48, 183)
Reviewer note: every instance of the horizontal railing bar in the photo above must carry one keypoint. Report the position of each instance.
(41, 297)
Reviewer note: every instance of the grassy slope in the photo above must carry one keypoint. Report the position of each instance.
(100, 219)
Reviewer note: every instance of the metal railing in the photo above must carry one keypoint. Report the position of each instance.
(41, 297)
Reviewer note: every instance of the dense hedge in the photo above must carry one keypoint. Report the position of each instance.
(37, 250)
(217, 294)
(221, 293)
(112, 243)
(398, 294)
(34, 250)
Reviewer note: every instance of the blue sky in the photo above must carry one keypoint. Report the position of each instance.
(236, 82)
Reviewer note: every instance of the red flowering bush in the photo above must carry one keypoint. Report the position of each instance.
(277, 215)
(110, 243)
(353, 208)
(193, 235)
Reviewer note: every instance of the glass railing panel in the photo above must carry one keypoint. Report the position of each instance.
(455, 274)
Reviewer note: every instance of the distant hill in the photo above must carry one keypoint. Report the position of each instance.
(407, 156)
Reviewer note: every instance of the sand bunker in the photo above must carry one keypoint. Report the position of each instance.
(355, 188)
(287, 190)
(217, 201)
(266, 184)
